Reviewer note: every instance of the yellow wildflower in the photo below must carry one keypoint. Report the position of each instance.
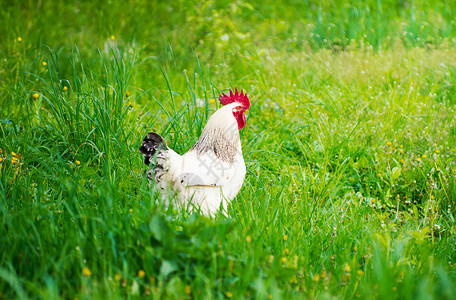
(1, 160)
(316, 278)
(117, 276)
(360, 273)
(287, 251)
(211, 100)
(86, 271)
(285, 237)
(248, 239)
(284, 259)
(14, 160)
(77, 162)
(402, 151)
(19, 39)
(141, 273)
(65, 88)
(113, 37)
(131, 210)
(127, 94)
(389, 144)
(437, 151)
(269, 296)
(229, 294)
(188, 289)
(36, 96)
(44, 63)
(347, 268)
(424, 156)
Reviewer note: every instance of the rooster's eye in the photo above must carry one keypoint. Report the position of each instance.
(238, 110)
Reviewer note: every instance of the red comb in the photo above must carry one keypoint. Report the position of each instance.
(236, 97)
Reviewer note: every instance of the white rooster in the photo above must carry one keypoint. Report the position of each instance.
(211, 173)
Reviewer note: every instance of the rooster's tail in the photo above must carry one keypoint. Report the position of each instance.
(152, 143)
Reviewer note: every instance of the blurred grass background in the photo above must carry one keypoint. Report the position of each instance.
(349, 147)
(293, 24)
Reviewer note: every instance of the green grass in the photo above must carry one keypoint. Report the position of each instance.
(349, 146)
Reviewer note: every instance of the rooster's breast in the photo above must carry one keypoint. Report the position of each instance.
(209, 182)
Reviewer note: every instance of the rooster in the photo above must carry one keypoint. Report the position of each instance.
(211, 173)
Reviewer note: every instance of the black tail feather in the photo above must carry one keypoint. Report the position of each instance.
(151, 143)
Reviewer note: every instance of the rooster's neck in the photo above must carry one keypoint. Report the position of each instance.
(220, 136)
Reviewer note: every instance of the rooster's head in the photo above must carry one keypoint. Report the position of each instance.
(238, 111)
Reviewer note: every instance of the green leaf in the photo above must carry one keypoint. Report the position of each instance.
(175, 288)
(168, 267)
(395, 173)
(160, 229)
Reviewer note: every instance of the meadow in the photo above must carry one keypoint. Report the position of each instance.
(350, 148)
